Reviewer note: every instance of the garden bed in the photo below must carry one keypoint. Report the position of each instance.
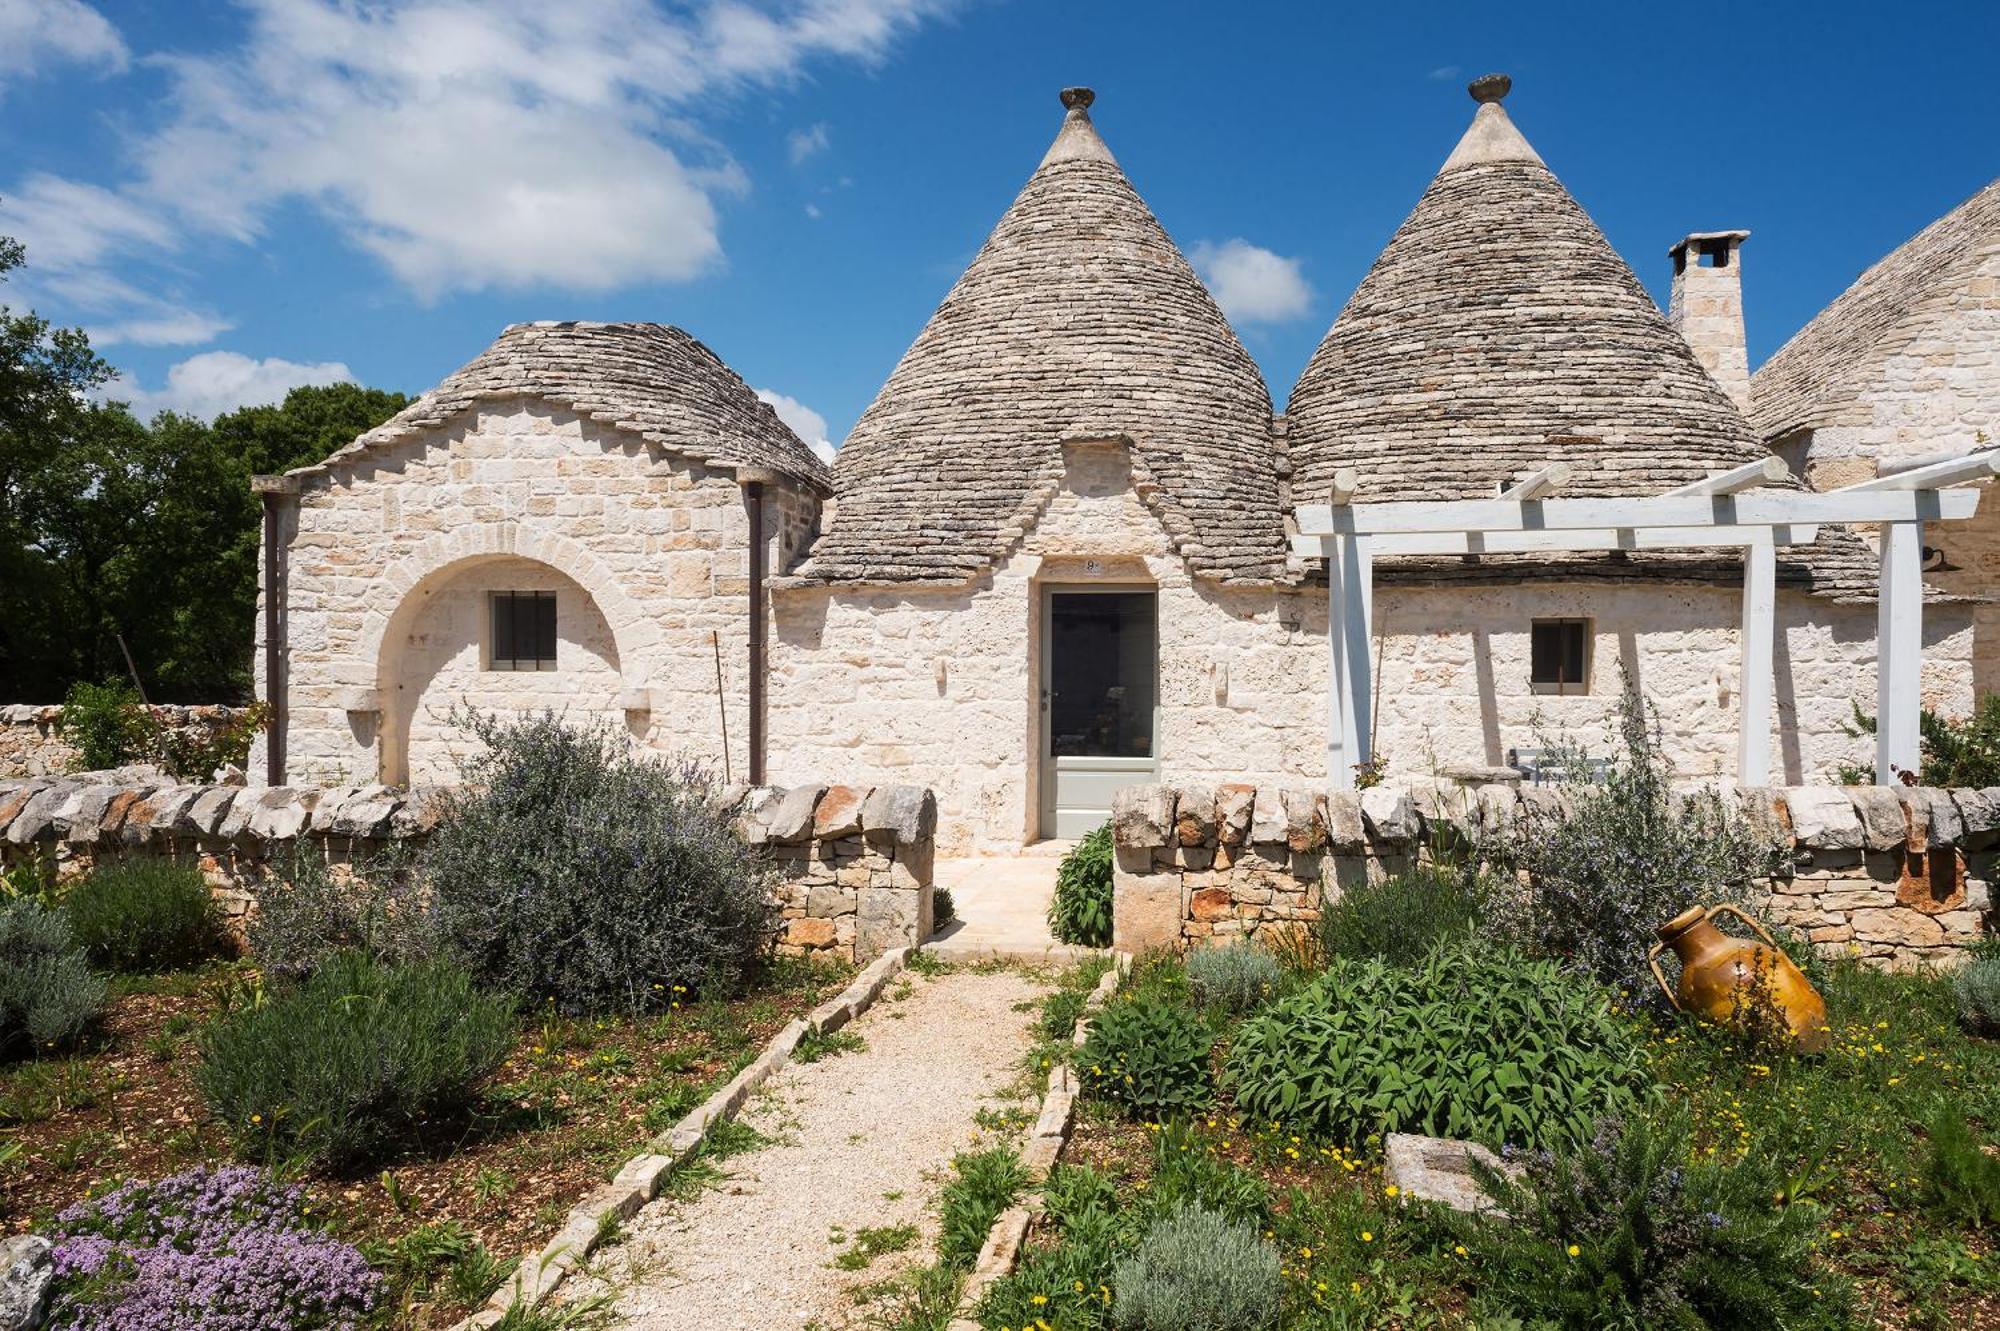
(1844, 1132)
(572, 1100)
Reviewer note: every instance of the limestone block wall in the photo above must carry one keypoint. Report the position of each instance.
(31, 743)
(389, 561)
(1897, 876)
(941, 686)
(1936, 388)
(853, 865)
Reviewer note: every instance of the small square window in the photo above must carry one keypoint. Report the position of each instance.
(524, 631)
(1559, 656)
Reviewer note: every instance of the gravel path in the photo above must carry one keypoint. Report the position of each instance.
(861, 1139)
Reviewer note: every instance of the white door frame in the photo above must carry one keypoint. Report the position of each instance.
(1046, 765)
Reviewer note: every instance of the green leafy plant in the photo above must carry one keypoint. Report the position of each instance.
(1631, 1229)
(104, 723)
(983, 1184)
(1148, 1056)
(48, 995)
(1067, 1283)
(1470, 1042)
(1199, 1271)
(1402, 919)
(1080, 910)
(1953, 751)
(572, 869)
(1963, 1180)
(1236, 978)
(355, 1062)
(145, 915)
(1975, 988)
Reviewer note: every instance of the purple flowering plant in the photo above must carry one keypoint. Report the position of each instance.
(227, 1249)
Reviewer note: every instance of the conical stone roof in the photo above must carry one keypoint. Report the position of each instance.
(1820, 373)
(1078, 319)
(654, 380)
(1498, 332)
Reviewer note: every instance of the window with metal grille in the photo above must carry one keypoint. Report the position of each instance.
(1559, 656)
(524, 631)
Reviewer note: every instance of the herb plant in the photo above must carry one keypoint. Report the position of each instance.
(1080, 910)
(1148, 1056)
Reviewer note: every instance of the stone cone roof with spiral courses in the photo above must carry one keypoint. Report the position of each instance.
(653, 380)
(1078, 320)
(1831, 359)
(1499, 332)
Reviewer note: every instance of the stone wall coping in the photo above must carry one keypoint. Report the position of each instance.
(1307, 818)
(133, 807)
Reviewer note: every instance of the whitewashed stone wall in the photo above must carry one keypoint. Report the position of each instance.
(941, 686)
(391, 557)
(1937, 390)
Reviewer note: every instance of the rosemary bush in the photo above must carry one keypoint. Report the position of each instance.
(1610, 863)
(1631, 1229)
(570, 869)
(1403, 919)
(145, 915)
(305, 915)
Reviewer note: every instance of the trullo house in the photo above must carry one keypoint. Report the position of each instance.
(1055, 555)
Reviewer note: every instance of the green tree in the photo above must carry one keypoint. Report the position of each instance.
(115, 528)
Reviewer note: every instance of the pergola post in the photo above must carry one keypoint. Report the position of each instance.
(1754, 689)
(1899, 642)
(1350, 597)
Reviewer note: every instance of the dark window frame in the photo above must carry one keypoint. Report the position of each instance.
(521, 631)
(1549, 667)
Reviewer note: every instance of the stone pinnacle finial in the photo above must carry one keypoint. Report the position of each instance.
(1490, 87)
(1078, 97)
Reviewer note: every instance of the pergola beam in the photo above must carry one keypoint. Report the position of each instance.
(1764, 471)
(1585, 540)
(1931, 473)
(1755, 508)
(1541, 483)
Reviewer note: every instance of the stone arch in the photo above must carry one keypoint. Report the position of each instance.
(400, 596)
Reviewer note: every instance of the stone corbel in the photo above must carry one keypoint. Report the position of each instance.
(639, 700)
(358, 700)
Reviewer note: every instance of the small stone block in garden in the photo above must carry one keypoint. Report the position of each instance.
(1438, 1169)
(25, 1273)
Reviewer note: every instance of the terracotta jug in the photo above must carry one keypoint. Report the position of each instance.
(1720, 975)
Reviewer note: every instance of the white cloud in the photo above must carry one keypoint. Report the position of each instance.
(806, 423)
(1443, 72)
(511, 144)
(805, 143)
(74, 233)
(1250, 283)
(217, 381)
(813, 211)
(36, 34)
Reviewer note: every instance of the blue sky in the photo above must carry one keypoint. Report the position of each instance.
(238, 196)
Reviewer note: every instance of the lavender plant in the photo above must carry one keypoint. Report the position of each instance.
(48, 995)
(572, 869)
(219, 1249)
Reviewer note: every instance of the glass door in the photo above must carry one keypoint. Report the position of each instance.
(1099, 700)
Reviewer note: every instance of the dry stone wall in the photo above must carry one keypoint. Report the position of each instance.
(854, 864)
(1894, 876)
(31, 741)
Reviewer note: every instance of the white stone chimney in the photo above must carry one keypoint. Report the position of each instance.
(1707, 306)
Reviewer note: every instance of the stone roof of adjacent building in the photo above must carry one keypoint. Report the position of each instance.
(1832, 358)
(1498, 332)
(652, 380)
(1078, 319)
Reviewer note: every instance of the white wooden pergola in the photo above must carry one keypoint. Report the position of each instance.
(1730, 510)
